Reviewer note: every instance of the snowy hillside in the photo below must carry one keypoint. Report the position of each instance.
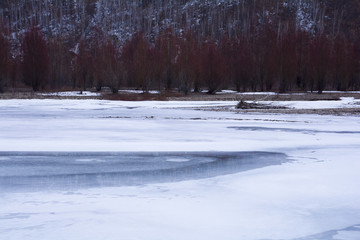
(120, 19)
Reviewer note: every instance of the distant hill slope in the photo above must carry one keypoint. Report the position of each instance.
(71, 19)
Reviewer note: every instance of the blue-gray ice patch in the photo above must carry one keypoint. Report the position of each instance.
(32, 171)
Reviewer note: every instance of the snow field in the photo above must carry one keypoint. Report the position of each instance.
(314, 193)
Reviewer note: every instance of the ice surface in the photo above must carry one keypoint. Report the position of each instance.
(345, 102)
(178, 159)
(30, 171)
(138, 91)
(315, 194)
(71, 94)
(349, 233)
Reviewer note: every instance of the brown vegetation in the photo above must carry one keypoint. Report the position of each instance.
(253, 46)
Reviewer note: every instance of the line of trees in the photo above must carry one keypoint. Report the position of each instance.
(271, 57)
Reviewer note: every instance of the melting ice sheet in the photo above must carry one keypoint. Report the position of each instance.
(54, 170)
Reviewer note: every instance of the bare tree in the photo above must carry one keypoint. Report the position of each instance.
(4, 57)
(35, 64)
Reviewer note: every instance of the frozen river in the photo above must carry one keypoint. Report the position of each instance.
(93, 169)
(31, 171)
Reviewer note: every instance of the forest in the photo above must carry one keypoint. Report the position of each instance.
(182, 45)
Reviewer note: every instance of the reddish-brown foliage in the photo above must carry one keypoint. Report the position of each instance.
(35, 64)
(60, 64)
(4, 57)
(212, 66)
(137, 56)
(267, 57)
(83, 65)
(166, 48)
(319, 62)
